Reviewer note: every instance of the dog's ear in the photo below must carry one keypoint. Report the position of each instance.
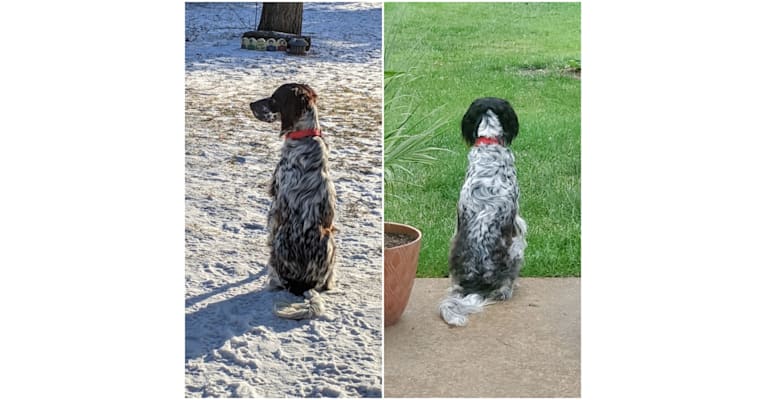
(508, 120)
(307, 96)
(470, 124)
(297, 100)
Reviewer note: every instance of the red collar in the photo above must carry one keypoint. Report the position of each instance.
(302, 134)
(487, 140)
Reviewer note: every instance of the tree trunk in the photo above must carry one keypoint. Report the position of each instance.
(282, 17)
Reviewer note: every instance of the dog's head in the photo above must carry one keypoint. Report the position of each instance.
(490, 117)
(289, 103)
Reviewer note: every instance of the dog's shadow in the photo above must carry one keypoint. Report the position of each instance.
(208, 328)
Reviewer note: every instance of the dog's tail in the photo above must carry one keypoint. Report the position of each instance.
(303, 310)
(456, 308)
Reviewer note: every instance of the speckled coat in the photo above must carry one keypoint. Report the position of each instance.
(488, 245)
(301, 217)
(487, 249)
(300, 221)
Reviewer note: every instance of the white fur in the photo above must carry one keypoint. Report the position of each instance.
(455, 308)
(313, 307)
(490, 126)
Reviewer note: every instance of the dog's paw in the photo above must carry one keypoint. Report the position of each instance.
(503, 294)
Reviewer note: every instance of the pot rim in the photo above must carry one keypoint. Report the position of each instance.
(405, 227)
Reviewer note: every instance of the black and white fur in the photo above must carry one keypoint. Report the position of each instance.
(300, 221)
(488, 246)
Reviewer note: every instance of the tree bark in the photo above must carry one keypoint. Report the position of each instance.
(282, 17)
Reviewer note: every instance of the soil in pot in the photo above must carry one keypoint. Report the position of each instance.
(392, 239)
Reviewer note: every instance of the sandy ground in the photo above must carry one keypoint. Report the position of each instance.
(235, 346)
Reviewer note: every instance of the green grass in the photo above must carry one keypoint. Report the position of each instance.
(454, 53)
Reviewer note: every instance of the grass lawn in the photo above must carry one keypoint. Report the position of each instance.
(453, 53)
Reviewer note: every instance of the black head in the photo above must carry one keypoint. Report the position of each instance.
(288, 103)
(480, 110)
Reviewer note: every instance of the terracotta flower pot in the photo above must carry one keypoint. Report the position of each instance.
(401, 263)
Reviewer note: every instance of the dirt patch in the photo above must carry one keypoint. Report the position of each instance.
(530, 71)
(573, 72)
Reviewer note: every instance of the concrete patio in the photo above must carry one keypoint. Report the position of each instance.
(527, 347)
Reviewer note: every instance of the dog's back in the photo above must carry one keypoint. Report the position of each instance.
(486, 211)
(303, 250)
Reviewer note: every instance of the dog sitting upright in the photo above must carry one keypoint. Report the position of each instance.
(488, 246)
(300, 221)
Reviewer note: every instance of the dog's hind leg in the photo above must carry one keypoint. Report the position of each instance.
(330, 283)
(275, 283)
(516, 251)
(515, 262)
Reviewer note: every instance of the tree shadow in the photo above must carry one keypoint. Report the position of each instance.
(210, 327)
(251, 278)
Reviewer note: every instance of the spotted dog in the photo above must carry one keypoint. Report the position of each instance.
(300, 221)
(488, 245)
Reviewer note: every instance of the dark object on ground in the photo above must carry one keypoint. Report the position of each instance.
(297, 46)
